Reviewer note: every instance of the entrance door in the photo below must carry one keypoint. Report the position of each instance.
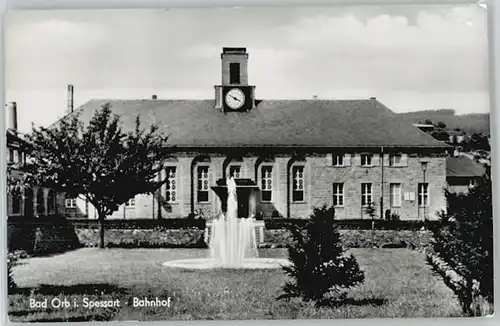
(243, 196)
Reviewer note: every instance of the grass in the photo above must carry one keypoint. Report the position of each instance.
(398, 284)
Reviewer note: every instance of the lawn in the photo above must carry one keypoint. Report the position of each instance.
(398, 284)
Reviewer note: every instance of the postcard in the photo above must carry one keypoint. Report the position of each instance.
(248, 163)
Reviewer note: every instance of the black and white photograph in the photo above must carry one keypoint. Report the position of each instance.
(248, 163)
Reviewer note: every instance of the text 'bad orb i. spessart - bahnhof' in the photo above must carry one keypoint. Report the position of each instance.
(64, 303)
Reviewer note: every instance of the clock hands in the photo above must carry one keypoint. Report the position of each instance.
(235, 98)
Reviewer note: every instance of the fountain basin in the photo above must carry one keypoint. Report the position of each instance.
(210, 263)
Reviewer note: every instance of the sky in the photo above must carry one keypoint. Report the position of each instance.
(409, 57)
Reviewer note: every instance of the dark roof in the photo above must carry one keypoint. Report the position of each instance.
(285, 123)
(462, 166)
(14, 137)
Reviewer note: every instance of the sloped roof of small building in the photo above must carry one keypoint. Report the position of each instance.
(463, 167)
(281, 123)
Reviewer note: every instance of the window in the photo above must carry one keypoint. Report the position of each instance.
(40, 201)
(423, 194)
(235, 171)
(395, 160)
(338, 160)
(130, 202)
(171, 184)
(338, 194)
(298, 183)
(395, 189)
(16, 204)
(266, 183)
(70, 202)
(20, 157)
(11, 155)
(366, 194)
(202, 184)
(234, 73)
(366, 159)
(51, 202)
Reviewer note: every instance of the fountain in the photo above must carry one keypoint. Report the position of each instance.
(232, 242)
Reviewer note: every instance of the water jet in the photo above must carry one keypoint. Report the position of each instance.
(232, 237)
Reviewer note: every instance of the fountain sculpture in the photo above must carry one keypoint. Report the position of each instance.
(232, 242)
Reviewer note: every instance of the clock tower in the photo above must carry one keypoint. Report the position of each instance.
(234, 94)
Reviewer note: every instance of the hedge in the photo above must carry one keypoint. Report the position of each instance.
(355, 224)
(144, 238)
(421, 239)
(41, 236)
(144, 223)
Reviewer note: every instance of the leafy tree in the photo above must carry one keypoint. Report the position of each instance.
(441, 135)
(463, 246)
(319, 266)
(428, 121)
(99, 162)
(441, 125)
(479, 141)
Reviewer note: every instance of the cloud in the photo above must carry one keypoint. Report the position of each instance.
(412, 55)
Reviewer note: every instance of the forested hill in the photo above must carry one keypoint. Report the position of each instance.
(470, 123)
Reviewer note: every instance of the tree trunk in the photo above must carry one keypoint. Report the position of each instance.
(102, 216)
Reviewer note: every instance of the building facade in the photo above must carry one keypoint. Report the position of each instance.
(300, 154)
(35, 201)
(462, 173)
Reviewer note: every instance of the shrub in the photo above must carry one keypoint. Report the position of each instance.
(12, 258)
(145, 238)
(389, 216)
(320, 266)
(463, 246)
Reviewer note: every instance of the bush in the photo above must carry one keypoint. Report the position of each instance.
(356, 224)
(145, 238)
(320, 267)
(389, 216)
(41, 236)
(142, 223)
(12, 258)
(463, 246)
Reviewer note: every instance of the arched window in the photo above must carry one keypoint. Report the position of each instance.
(172, 180)
(266, 177)
(201, 179)
(51, 202)
(298, 178)
(40, 202)
(28, 203)
(16, 204)
(233, 167)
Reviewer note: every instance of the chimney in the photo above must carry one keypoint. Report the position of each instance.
(12, 111)
(154, 97)
(70, 98)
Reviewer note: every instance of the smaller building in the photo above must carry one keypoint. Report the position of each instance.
(35, 201)
(462, 173)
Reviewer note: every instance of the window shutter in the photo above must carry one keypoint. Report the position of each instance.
(347, 159)
(404, 159)
(376, 160)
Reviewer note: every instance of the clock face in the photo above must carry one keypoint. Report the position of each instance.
(235, 98)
